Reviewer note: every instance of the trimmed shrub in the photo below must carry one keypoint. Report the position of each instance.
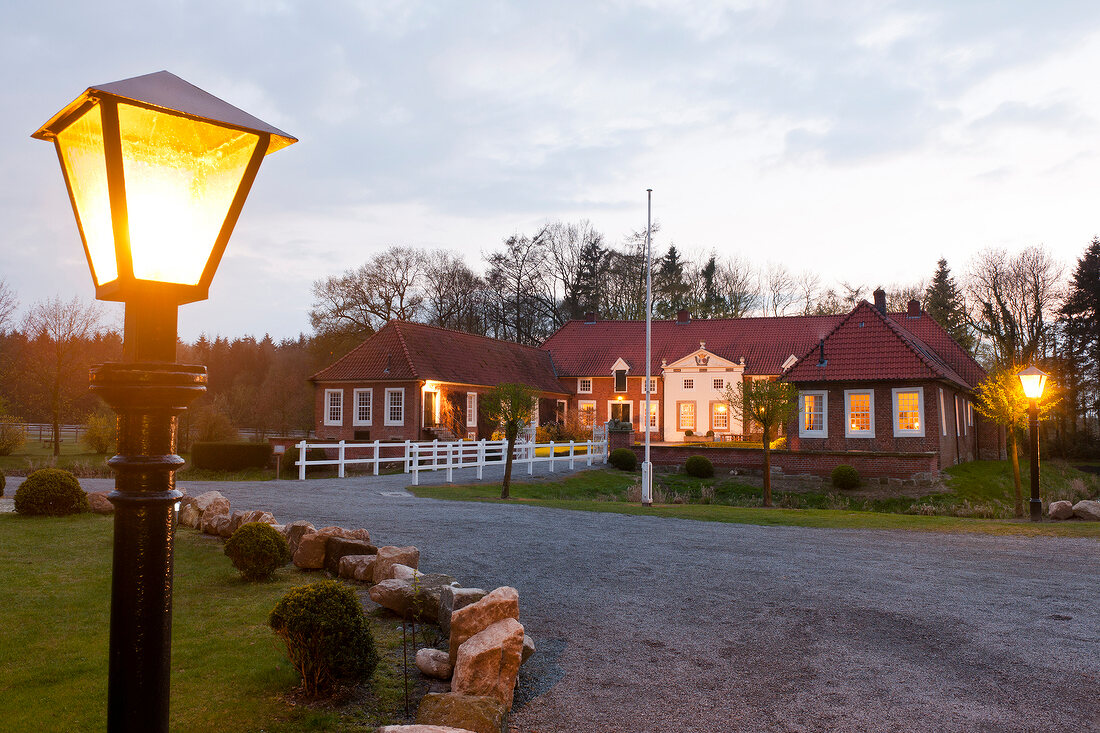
(699, 467)
(257, 550)
(51, 492)
(845, 477)
(623, 459)
(230, 456)
(327, 636)
(710, 433)
(290, 459)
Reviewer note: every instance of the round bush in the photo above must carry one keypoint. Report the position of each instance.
(699, 467)
(327, 636)
(845, 477)
(257, 550)
(623, 459)
(51, 492)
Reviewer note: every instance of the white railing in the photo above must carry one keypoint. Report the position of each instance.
(450, 455)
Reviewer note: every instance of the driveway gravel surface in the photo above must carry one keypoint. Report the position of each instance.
(652, 624)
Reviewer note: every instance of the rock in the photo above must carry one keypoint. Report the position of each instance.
(421, 729)
(502, 603)
(236, 519)
(294, 531)
(339, 547)
(224, 525)
(477, 713)
(358, 567)
(434, 663)
(212, 501)
(281, 529)
(348, 534)
(389, 556)
(217, 525)
(488, 662)
(453, 599)
(411, 598)
(260, 516)
(190, 516)
(1086, 509)
(1060, 510)
(528, 648)
(100, 503)
(403, 572)
(310, 554)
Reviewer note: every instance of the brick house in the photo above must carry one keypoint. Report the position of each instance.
(415, 382)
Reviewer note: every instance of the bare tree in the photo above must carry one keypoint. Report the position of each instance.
(898, 296)
(386, 286)
(740, 287)
(779, 289)
(575, 254)
(519, 278)
(453, 294)
(8, 304)
(808, 286)
(59, 328)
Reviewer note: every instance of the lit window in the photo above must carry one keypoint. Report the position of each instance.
(584, 385)
(689, 384)
(686, 415)
(859, 408)
(620, 380)
(943, 413)
(395, 406)
(813, 415)
(364, 401)
(587, 410)
(653, 412)
(909, 411)
(719, 416)
(471, 409)
(719, 384)
(334, 407)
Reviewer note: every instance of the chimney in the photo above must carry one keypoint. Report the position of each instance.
(914, 309)
(683, 316)
(880, 300)
(590, 317)
(821, 353)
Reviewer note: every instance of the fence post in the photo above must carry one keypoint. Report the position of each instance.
(530, 458)
(605, 445)
(571, 454)
(377, 458)
(302, 461)
(552, 456)
(414, 451)
(408, 454)
(340, 471)
(480, 458)
(450, 463)
(588, 452)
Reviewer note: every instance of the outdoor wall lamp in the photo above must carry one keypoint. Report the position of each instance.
(1034, 380)
(157, 172)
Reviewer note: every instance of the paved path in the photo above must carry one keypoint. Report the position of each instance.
(648, 624)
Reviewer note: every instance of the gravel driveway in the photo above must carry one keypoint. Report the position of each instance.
(649, 624)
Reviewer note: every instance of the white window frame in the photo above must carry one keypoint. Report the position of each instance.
(898, 432)
(718, 383)
(338, 405)
(654, 421)
(848, 432)
(355, 419)
(584, 385)
(689, 383)
(386, 419)
(969, 414)
(694, 417)
(582, 405)
(622, 402)
(714, 426)
(615, 381)
(652, 386)
(943, 414)
(955, 405)
(471, 409)
(803, 431)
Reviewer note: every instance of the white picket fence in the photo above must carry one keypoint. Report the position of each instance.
(448, 456)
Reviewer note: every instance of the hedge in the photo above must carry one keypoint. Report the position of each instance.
(230, 456)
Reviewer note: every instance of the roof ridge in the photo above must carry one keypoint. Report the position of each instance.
(405, 346)
(936, 324)
(834, 329)
(417, 324)
(908, 338)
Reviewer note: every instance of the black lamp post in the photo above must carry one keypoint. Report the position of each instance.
(1034, 380)
(157, 172)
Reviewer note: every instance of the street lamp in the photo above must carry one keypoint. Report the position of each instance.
(1034, 380)
(157, 172)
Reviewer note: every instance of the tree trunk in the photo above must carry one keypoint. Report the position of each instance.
(508, 469)
(767, 469)
(1015, 471)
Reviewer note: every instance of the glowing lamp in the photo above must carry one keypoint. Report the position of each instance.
(157, 172)
(1034, 380)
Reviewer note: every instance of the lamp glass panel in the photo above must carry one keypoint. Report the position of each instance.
(81, 145)
(1033, 385)
(181, 176)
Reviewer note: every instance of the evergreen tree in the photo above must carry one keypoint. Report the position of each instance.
(711, 304)
(1080, 325)
(671, 290)
(944, 303)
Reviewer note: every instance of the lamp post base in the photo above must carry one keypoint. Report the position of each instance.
(1036, 507)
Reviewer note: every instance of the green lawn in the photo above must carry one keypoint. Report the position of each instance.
(229, 672)
(726, 500)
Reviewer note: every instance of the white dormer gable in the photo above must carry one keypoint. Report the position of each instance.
(702, 359)
(790, 362)
(620, 363)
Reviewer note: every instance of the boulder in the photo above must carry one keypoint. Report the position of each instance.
(421, 729)
(224, 525)
(528, 648)
(403, 572)
(217, 525)
(190, 516)
(100, 503)
(310, 554)
(258, 515)
(389, 556)
(357, 567)
(477, 713)
(453, 599)
(502, 603)
(488, 662)
(412, 598)
(212, 501)
(1060, 510)
(348, 534)
(236, 519)
(339, 547)
(434, 663)
(1086, 509)
(294, 531)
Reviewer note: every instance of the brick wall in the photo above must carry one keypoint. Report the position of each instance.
(603, 392)
(377, 430)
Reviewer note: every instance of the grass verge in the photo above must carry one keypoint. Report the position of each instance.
(229, 672)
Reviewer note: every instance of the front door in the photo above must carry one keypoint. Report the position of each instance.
(620, 411)
(429, 408)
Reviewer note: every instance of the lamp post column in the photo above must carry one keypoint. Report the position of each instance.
(148, 391)
(1036, 503)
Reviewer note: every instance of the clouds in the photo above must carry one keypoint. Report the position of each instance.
(816, 131)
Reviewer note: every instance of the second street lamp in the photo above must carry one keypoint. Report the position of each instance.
(1034, 380)
(157, 171)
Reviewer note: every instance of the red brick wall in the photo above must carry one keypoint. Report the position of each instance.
(603, 391)
(378, 429)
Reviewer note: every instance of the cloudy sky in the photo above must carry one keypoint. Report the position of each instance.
(862, 140)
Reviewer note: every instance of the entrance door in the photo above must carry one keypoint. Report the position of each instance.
(429, 408)
(621, 411)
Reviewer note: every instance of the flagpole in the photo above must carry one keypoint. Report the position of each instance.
(647, 466)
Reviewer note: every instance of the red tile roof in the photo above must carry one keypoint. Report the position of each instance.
(590, 349)
(402, 350)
